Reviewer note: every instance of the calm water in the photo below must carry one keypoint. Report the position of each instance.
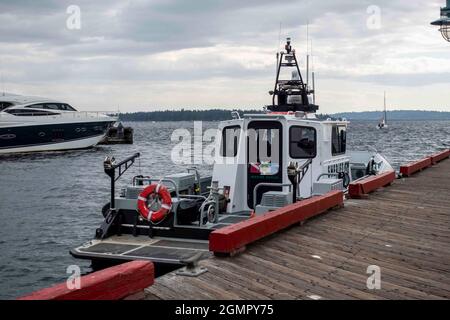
(51, 202)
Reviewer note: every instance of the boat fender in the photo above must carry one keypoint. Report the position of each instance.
(153, 190)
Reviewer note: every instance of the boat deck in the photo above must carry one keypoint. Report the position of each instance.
(171, 251)
(403, 229)
(128, 248)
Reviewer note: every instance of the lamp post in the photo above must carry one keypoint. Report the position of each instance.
(444, 22)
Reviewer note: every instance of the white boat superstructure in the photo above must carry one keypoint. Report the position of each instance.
(29, 124)
(278, 141)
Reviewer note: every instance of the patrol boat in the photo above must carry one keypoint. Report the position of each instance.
(264, 162)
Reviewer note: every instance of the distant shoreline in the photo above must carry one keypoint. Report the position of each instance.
(223, 114)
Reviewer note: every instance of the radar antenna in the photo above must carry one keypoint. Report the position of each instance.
(293, 94)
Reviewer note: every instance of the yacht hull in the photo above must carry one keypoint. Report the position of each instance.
(52, 137)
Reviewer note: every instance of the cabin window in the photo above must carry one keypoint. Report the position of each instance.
(31, 113)
(36, 106)
(53, 106)
(230, 141)
(66, 107)
(302, 142)
(264, 146)
(338, 140)
(4, 105)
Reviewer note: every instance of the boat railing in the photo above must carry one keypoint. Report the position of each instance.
(165, 181)
(172, 188)
(97, 113)
(330, 174)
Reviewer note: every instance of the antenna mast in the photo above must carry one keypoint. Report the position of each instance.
(313, 74)
(307, 54)
(314, 87)
(290, 94)
(279, 47)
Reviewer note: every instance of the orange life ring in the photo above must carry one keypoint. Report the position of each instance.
(166, 202)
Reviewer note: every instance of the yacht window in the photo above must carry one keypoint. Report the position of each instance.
(230, 141)
(53, 106)
(302, 142)
(36, 106)
(4, 105)
(17, 112)
(338, 140)
(30, 113)
(66, 107)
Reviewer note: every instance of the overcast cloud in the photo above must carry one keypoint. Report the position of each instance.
(155, 54)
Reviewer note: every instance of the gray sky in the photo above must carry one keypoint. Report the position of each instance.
(158, 54)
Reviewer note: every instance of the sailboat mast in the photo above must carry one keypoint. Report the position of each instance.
(385, 112)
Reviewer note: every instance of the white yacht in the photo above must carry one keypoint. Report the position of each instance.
(29, 124)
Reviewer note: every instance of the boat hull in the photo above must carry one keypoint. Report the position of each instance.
(52, 137)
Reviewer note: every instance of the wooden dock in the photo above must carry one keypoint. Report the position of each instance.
(403, 229)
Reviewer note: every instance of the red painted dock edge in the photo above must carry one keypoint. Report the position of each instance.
(437, 157)
(114, 283)
(413, 167)
(232, 238)
(365, 186)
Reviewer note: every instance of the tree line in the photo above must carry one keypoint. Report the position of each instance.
(187, 115)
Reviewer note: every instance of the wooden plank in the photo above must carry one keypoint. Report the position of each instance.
(405, 230)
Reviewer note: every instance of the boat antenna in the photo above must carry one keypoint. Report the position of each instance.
(279, 47)
(314, 87)
(294, 87)
(313, 73)
(307, 54)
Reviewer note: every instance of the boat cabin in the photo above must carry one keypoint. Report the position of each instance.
(256, 151)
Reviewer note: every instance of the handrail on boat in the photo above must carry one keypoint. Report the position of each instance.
(151, 180)
(328, 175)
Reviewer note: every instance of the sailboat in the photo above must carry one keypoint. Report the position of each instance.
(382, 124)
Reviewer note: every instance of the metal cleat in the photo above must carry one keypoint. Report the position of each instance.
(192, 269)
